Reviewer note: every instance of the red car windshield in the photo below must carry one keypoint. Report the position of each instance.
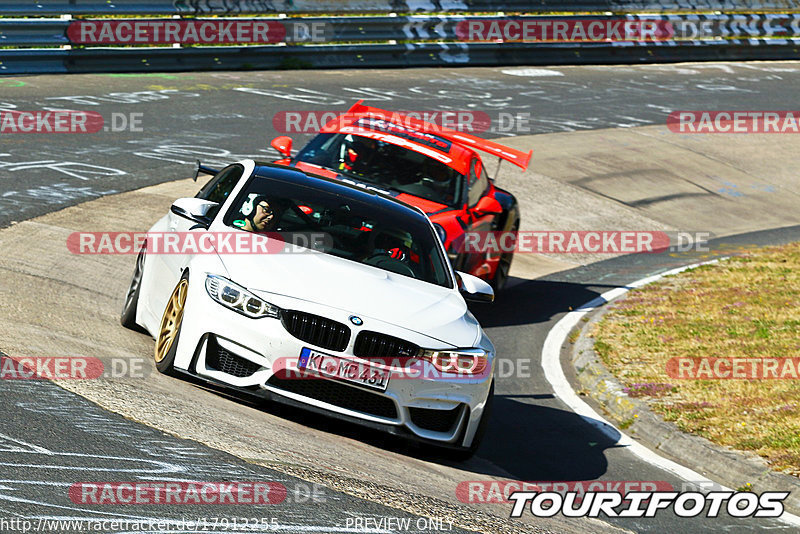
(386, 165)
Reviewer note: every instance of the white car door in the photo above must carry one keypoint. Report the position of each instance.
(163, 269)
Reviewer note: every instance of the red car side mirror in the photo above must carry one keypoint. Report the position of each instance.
(488, 205)
(283, 144)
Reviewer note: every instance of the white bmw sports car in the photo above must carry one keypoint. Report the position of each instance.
(371, 326)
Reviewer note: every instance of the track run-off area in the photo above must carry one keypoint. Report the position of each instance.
(604, 159)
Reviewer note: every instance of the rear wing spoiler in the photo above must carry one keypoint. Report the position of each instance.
(203, 169)
(517, 157)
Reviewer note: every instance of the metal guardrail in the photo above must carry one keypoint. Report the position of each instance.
(184, 7)
(54, 32)
(33, 32)
(372, 41)
(139, 59)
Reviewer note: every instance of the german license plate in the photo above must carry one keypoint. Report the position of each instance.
(344, 369)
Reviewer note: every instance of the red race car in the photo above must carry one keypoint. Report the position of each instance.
(433, 168)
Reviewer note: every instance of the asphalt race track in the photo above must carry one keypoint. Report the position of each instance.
(218, 117)
(62, 434)
(51, 439)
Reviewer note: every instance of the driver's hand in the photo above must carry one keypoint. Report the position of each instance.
(397, 253)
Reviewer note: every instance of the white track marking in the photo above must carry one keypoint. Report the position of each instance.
(9, 444)
(532, 72)
(554, 374)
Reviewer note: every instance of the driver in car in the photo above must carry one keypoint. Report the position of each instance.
(357, 153)
(259, 214)
(396, 245)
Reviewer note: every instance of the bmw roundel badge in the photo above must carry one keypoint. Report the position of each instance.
(356, 320)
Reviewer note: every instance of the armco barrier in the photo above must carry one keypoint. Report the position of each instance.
(31, 32)
(164, 7)
(389, 41)
(140, 59)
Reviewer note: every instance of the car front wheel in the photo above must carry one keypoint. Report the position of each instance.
(170, 328)
(504, 266)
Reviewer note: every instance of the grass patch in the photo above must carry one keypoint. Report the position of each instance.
(624, 425)
(744, 307)
(574, 335)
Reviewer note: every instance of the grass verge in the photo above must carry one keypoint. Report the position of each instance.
(744, 307)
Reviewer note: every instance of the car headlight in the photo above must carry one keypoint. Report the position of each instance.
(238, 299)
(462, 361)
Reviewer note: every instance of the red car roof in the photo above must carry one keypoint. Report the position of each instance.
(450, 147)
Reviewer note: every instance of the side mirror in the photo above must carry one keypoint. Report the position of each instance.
(195, 209)
(283, 144)
(473, 289)
(488, 205)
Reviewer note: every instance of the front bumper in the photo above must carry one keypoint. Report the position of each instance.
(220, 346)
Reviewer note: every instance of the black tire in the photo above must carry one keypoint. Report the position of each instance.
(498, 283)
(464, 454)
(172, 321)
(128, 316)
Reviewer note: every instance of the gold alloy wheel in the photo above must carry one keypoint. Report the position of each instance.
(171, 320)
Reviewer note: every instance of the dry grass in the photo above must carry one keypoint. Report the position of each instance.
(748, 306)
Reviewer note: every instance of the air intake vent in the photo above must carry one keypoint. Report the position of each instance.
(435, 420)
(316, 330)
(376, 345)
(343, 396)
(227, 362)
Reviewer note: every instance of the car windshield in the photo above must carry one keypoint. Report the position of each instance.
(385, 164)
(390, 238)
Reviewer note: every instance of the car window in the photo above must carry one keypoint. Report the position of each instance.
(477, 183)
(221, 184)
(395, 240)
(386, 165)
